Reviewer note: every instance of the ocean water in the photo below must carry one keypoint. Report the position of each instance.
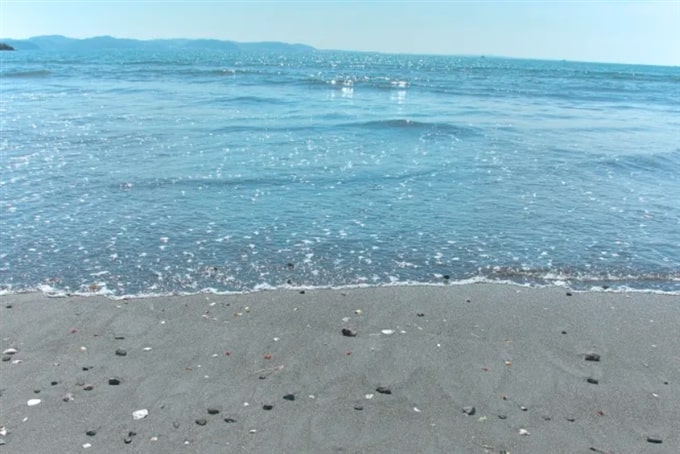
(141, 173)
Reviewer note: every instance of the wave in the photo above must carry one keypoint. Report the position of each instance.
(411, 125)
(26, 74)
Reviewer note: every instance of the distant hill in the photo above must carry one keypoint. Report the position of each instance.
(4, 46)
(63, 43)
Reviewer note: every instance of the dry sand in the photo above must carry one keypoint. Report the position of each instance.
(278, 367)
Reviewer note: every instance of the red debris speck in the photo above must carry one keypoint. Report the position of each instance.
(73, 331)
(348, 353)
(267, 356)
(227, 353)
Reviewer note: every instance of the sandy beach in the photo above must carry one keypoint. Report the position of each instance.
(463, 369)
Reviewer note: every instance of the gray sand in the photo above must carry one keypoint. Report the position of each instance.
(517, 355)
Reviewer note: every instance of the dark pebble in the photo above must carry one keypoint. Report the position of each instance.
(349, 332)
(546, 418)
(665, 383)
(446, 276)
(54, 383)
(571, 419)
(262, 377)
(6, 358)
(86, 368)
(420, 314)
(654, 439)
(201, 422)
(564, 332)
(127, 440)
(114, 381)
(383, 390)
(592, 357)
(289, 397)
(88, 387)
(291, 266)
(36, 391)
(91, 433)
(502, 417)
(121, 352)
(9, 306)
(119, 338)
(2, 441)
(469, 410)
(213, 411)
(358, 407)
(267, 407)
(229, 420)
(592, 381)
(568, 293)
(523, 408)
(175, 424)
(302, 292)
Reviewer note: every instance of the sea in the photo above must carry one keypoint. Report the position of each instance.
(138, 173)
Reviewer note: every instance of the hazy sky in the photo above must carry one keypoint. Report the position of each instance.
(605, 31)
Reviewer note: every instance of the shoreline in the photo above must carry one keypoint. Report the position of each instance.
(451, 368)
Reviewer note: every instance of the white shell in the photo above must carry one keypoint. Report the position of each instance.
(524, 432)
(33, 402)
(9, 351)
(387, 331)
(140, 414)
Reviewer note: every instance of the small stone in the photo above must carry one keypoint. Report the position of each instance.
(213, 411)
(54, 383)
(592, 381)
(267, 407)
(113, 381)
(229, 420)
(127, 440)
(88, 387)
(502, 417)
(564, 332)
(349, 332)
(654, 439)
(120, 352)
(175, 424)
(469, 410)
(68, 397)
(33, 402)
(569, 293)
(592, 357)
(383, 390)
(290, 397)
(36, 391)
(6, 358)
(91, 433)
(420, 314)
(8, 306)
(524, 432)
(140, 414)
(358, 407)
(119, 338)
(387, 331)
(523, 408)
(201, 422)
(570, 419)
(10, 351)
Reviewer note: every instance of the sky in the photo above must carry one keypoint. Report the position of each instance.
(642, 32)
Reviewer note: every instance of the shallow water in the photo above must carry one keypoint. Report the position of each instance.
(145, 173)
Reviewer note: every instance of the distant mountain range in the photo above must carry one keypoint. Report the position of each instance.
(63, 43)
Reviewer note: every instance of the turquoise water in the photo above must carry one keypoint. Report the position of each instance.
(133, 173)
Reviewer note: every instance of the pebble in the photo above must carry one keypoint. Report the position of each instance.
(140, 414)
(387, 331)
(229, 420)
(91, 433)
(654, 439)
(201, 422)
(349, 332)
(9, 351)
(267, 407)
(54, 383)
(9, 306)
(592, 357)
(213, 411)
(120, 352)
(592, 381)
(524, 432)
(113, 381)
(469, 410)
(88, 387)
(502, 417)
(420, 314)
(358, 407)
(383, 390)
(6, 358)
(68, 397)
(33, 402)
(290, 397)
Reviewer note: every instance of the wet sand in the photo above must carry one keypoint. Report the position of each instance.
(463, 369)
